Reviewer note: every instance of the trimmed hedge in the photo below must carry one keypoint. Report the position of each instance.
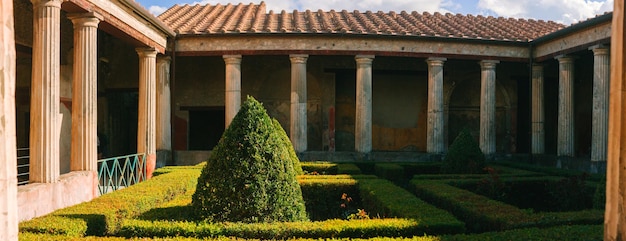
(249, 176)
(562, 233)
(323, 197)
(103, 215)
(484, 214)
(390, 200)
(390, 171)
(280, 230)
(348, 168)
(322, 168)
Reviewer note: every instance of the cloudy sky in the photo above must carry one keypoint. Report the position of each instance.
(563, 11)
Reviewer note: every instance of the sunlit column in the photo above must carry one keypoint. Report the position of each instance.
(84, 153)
(600, 120)
(233, 87)
(435, 139)
(488, 106)
(45, 86)
(566, 107)
(363, 122)
(298, 126)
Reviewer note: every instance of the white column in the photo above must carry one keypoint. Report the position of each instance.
(298, 126)
(233, 87)
(565, 138)
(146, 131)
(44, 104)
(363, 122)
(84, 153)
(8, 155)
(163, 125)
(600, 120)
(488, 106)
(538, 131)
(435, 138)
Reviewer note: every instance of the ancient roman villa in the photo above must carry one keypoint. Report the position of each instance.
(89, 80)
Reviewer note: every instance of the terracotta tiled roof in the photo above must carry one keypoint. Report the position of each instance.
(253, 18)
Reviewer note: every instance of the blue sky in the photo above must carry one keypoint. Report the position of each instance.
(563, 11)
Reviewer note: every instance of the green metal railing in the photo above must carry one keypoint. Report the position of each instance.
(119, 172)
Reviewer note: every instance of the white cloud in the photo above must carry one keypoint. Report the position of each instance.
(362, 5)
(564, 11)
(156, 10)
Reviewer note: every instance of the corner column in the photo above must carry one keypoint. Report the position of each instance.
(600, 120)
(8, 155)
(84, 153)
(488, 106)
(363, 122)
(298, 126)
(233, 87)
(538, 131)
(45, 86)
(146, 131)
(163, 112)
(435, 138)
(565, 138)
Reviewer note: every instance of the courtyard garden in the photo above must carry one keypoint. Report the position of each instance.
(264, 192)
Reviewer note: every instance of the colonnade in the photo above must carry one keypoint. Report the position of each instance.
(566, 120)
(45, 88)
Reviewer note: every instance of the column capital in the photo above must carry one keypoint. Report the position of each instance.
(488, 64)
(46, 3)
(91, 19)
(164, 59)
(564, 59)
(232, 59)
(364, 59)
(600, 49)
(146, 52)
(298, 58)
(436, 61)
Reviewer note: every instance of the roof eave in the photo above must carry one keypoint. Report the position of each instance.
(149, 17)
(573, 28)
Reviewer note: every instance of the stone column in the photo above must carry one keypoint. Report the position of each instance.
(538, 131)
(488, 106)
(233, 87)
(363, 122)
(84, 152)
(565, 139)
(600, 120)
(435, 138)
(146, 131)
(45, 86)
(163, 112)
(298, 126)
(8, 155)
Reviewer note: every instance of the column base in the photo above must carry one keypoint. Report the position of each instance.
(164, 158)
(597, 167)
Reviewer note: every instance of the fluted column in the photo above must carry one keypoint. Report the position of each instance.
(146, 131)
(233, 87)
(363, 122)
(538, 131)
(435, 138)
(600, 120)
(298, 126)
(84, 153)
(565, 140)
(45, 86)
(8, 155)
(488, 106)
(163, 130)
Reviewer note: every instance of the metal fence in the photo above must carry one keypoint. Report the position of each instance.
(23, 166)
(119, 172)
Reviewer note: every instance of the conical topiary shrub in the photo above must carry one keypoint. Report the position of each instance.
(249, 176)
(464, 155)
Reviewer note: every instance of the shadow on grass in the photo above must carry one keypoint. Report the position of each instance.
(175, 213)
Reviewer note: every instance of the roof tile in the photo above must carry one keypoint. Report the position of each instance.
(253, 18)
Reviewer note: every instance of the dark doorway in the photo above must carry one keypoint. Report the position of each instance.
(206, 126)
(121, 138)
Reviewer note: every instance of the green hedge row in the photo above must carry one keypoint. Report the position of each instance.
(484, 214)
(389, 200)
(563, 233)
(103, 215)
(327, 168)
(548, 170)
(282, 230)
(322, 197)
(390, 171)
